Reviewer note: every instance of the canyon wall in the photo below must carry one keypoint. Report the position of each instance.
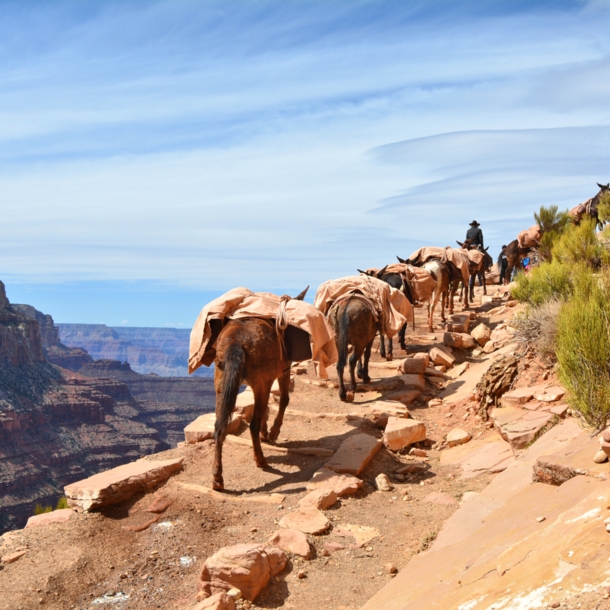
(58, 425)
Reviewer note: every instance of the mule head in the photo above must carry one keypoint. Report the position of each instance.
(604, 187)
(301, 295)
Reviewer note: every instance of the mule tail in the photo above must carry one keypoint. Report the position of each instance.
(234, 370)
(342, 342)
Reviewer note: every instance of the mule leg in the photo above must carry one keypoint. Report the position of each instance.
(340, 369)
(471, 285)
(401, 337)
(261, 403)
(217, 479)
(352, 374)
(381, 345)
(367, 357)
(359, 369)
(284, 383)
(390, 355)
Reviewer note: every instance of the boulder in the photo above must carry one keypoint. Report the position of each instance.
(220, 601)
(460, 323)
(459, 340)
(457, 436)
(307, 519)
(402, 432)
(354, 453)
(120, 483)
(423, 356)
(405, 397)
(203, 427)
(414, 382)
(481, 334)
(247, 567)
(341, 484)
(56, 516)
(412, 366)
(320, 498)
(441, 357)
(291, 541)
(244, 405)
(275, 388)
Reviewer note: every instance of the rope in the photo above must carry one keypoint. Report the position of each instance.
(281, 323)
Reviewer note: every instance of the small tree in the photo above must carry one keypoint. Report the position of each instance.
(552, 223)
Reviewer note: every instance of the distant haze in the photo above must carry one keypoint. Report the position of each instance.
(156, 154)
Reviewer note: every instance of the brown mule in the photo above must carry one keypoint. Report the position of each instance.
(354, 324)
(249, 349)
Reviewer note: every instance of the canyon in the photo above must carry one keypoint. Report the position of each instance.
(65, 416)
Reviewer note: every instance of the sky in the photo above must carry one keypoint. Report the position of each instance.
(155, 154)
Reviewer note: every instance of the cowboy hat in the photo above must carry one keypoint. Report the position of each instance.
(474, 223)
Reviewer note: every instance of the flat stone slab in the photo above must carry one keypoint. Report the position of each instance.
(402, 432)
(320, 498)
(120, 483)
(56, 516)
(381, 410)
(490, 455)
(520, 396)
(406, 397)
(306, 519)
(552, 394)
(440, 497)
(341, 484)
(354, 453)
(203, 427)
(414, 382)
(441, 356)
(521, 427)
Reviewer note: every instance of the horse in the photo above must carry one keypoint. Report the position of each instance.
(440, 273)
(355, 323)
(514, 256)
(399, 282)
(589, 207)
(250, 350)
(477, 269)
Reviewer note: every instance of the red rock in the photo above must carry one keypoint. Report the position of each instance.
(559, 410)
(424, 356)
(520, 396)
(291, 541)
(56, 516)
(220, 601)
(441, 357)
(354, 453)
(120, 483)
(247, 567)
(159, 505)
(552, 394)
(402, 432)
(13, 557)
(412, 365)
(457, 436)
(244, 405)
(341, 484)
(406, 397)
(414, 382)
(203, 427)
(460, 323)
(481, 334)
(320, 498)
(307, 519)
(333, 547)
(380, 410)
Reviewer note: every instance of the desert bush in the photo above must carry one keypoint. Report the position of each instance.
(537, 327)
(40, 509)
(583, 348)
(603, 208)
(549, 280)
(62, 503)
(553, 223)
(580, 245)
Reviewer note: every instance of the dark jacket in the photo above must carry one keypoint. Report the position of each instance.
(475, 235)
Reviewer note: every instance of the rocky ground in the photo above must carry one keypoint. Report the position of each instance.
(119, 557)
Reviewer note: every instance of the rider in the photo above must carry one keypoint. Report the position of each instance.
(475, 236)
(502, 264)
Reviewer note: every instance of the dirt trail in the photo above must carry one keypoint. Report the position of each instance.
(92, 561)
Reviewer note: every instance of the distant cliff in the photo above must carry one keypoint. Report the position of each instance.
(163, 351)
(56, 426)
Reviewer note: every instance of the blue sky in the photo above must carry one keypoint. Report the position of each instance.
(156, 154)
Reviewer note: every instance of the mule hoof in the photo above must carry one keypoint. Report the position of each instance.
(273, 436)
(349, 397)
(389, 357)
(218, 485)
(262, 464)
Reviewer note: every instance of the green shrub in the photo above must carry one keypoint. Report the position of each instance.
(537, 327)
(603, 208)
(579, 245)
(553, 223)
(39, 509)
(550, 280)
(583, 348)
(62, 503)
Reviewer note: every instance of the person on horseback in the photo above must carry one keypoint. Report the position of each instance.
(475, 236)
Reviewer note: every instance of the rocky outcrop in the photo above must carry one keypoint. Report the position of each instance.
(56, 427)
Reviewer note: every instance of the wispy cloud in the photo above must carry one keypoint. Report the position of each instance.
(277, 144)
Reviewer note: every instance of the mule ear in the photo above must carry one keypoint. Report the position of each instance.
(486, 248)
(401, 260)
(459, 243)
(380, 273)
(601, 186)
(301, 296)
(362, 272)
